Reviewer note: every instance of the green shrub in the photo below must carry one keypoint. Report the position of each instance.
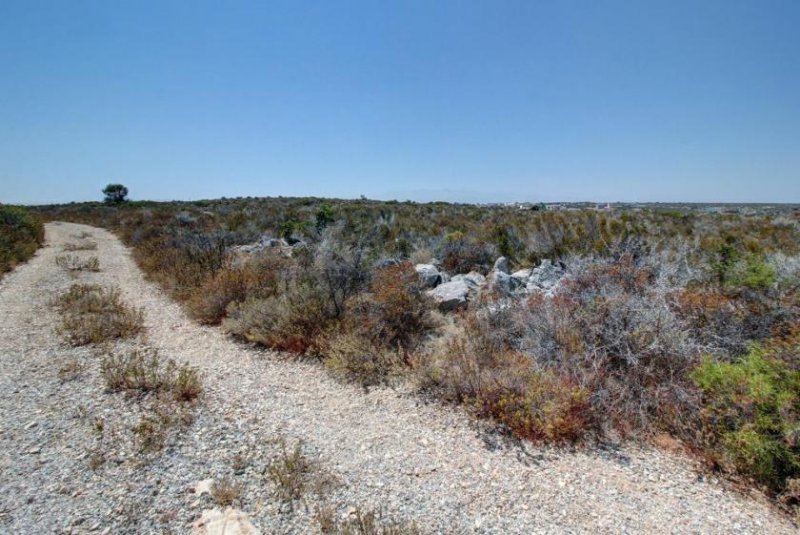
(752, 410)
(21, 233)
(755, 274)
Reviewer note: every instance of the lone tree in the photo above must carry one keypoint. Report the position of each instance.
(115, 193)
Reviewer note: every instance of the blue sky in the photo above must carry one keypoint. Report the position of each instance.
(477, 101)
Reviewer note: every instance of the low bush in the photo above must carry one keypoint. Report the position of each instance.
(142, 371)
(355, 358)
(21, 234)
(754, 273)
(460, 254)
(381, 329)
(75, 263)
(396, 312)
(293, 321)
(362, 522)
(605, 355)
(291, 472)
(92, 314)
(311, 300)
(83, 245)
(164, 419)
(257, 279)
(475, 368)
(752, 413)
(150, 433)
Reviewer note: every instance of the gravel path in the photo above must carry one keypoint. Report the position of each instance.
(386, 449)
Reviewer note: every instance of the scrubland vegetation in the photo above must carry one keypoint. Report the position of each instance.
(91, 314)
(75, 263)
(21, 233)
(677, 322)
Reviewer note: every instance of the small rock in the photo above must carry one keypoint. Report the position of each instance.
(202, 487)
(230, 522)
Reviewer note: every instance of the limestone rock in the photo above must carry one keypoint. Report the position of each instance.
(545, 277)
(474, 279)
(429, 275)
(202, 487)
(522, 276)
(451, 295)
(501, 265)
(503, 283)
(230, 522)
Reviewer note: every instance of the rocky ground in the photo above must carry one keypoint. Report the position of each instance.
(69, 462)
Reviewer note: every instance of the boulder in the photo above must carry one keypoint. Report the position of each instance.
(264, 242)
(474, 279)
(429, 275)
(503, 283)
(451, 295)
(501, 265)
(522, 276)
(230, 522)
(273, 242)
(545, 277)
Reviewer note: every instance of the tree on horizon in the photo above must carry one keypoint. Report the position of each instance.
(115, 193)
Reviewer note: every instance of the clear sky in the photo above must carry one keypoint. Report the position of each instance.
(479, 101)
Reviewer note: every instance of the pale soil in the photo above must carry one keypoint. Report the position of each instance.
(389, 451)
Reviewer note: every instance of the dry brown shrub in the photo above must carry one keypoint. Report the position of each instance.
(505, 385)
(92, 314)
(257, 278)
(293, 473)
(76, 263)
(295, 321)
(361, 522)
(399, 313)
(142, 371)
(356, 358)
(83, 245)
(225, 491)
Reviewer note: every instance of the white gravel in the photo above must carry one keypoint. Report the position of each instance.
(389, 451)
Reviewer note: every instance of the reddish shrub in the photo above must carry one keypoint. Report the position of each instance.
(257, 278)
